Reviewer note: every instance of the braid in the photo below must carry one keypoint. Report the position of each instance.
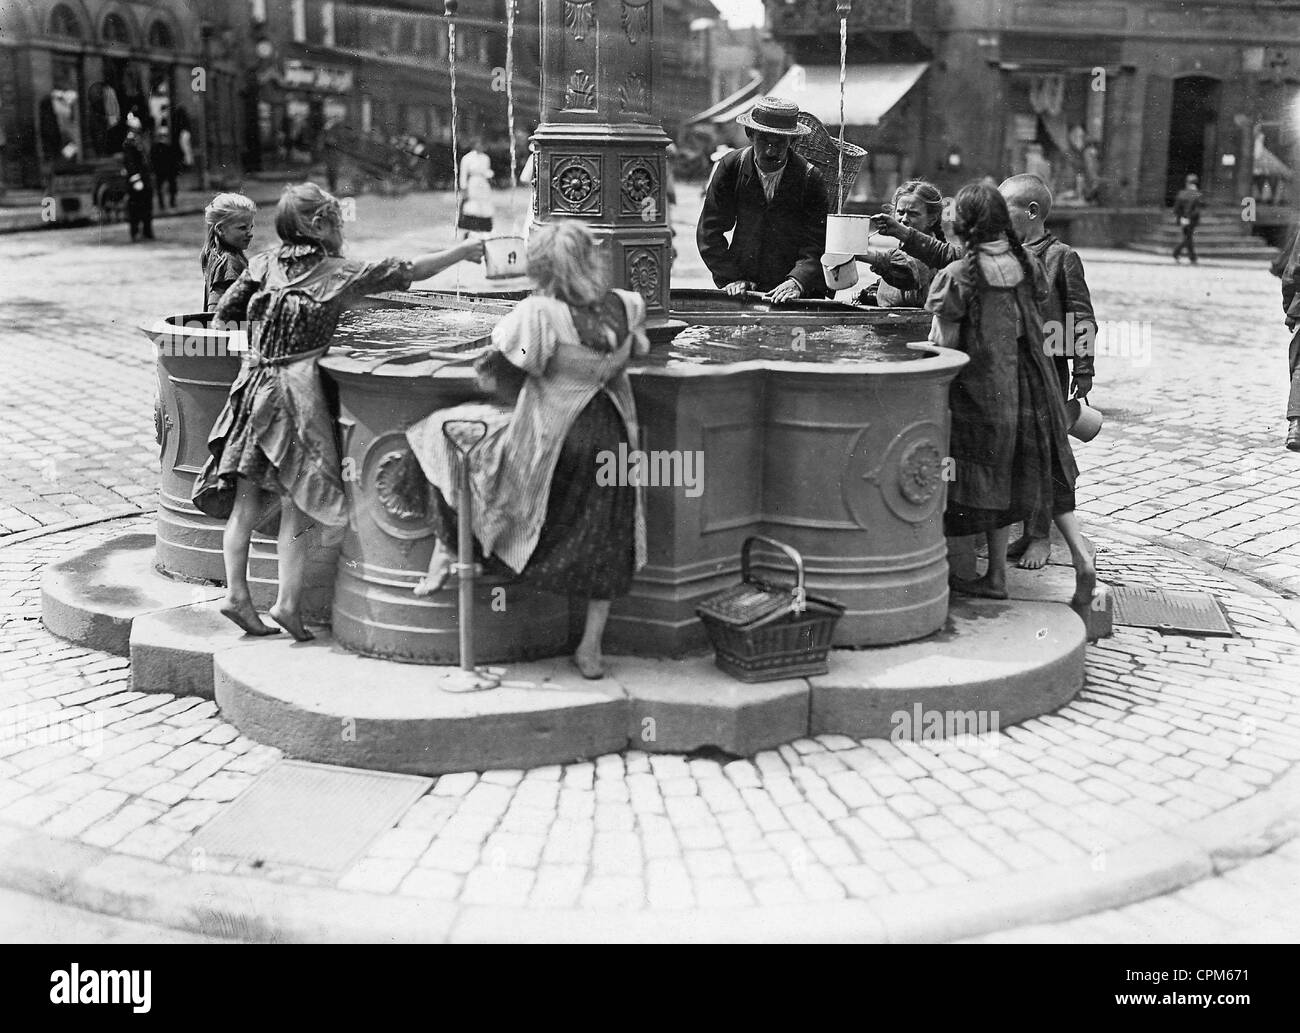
(973, 309)
(1018, 249)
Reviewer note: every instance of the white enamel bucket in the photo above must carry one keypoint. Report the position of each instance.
(840, 271)
(847, 234)
(503, 257)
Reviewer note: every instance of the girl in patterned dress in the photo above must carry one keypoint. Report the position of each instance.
(228, 219)
(274, 437)
(1008, 417)
(541, 510)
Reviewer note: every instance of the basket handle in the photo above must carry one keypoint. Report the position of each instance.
(799, 592)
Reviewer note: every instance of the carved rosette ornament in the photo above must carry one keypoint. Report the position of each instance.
(579, 17)
(395, 496)
(920, 472)
(643, 273)
(575, 187)
(581, 91)
(633, 94)
(636, 19)
(639, 182)
(908, 477)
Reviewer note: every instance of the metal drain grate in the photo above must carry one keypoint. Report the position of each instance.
(310, 815)
(1193, 613)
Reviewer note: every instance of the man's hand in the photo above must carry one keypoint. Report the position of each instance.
(736, 287)
(787, 291)
(1081, 387)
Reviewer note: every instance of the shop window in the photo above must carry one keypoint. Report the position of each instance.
(160, 36)
(63, 22)
(1053, 129)
(115, 30)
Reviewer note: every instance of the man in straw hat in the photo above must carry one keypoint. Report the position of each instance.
(776, 203)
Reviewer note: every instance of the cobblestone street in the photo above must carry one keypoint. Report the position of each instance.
(1172, 774)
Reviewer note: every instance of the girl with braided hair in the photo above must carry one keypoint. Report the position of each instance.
(1008, 419)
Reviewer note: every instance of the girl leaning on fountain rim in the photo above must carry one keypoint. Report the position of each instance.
(540, 512)
(274, 438)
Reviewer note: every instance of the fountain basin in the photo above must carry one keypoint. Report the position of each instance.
(832, 440)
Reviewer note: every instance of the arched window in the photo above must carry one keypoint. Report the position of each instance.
(63, 22)
(160, 36)
(115, 30)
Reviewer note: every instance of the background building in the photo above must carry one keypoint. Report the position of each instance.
(1114, 102)
(70, 70)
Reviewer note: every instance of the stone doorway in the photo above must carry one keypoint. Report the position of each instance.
(1193, 124)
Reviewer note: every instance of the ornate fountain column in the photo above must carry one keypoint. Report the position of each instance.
(600, 147)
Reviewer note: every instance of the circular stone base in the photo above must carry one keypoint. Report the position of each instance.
(992, 665)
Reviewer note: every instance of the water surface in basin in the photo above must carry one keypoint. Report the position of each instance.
(450, 330)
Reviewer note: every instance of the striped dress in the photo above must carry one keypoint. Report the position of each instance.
(573, 392)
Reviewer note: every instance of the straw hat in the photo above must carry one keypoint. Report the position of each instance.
(774, 115)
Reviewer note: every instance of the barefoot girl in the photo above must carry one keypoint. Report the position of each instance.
(228, 221)
(1008, 418)
(542, 509)
(274, 438)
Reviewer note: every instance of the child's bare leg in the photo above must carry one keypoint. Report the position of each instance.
(588, 654)
(238, 604)
(1034, 547)
(993, 585)
(293, 548)
(1084, 556)
(439, 570)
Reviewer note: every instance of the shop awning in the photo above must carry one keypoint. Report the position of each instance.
(869, 90)
(732, 105)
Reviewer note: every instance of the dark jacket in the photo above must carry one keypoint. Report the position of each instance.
(772, 243)
(1067, 292)
(1187, 205)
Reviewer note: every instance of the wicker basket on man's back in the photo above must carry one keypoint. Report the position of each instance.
(763, 631)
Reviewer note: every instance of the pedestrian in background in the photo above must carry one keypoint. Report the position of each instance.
(475, 214)
(165, 157)
(1187, 211)
(139, 175)
(1287, 266)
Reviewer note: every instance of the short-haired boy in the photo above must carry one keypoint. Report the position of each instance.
(1069, 326)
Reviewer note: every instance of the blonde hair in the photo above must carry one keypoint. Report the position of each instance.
(220, 210)
(562, 262)
(299, 206)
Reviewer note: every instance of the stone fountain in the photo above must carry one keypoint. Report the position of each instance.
(818, 424)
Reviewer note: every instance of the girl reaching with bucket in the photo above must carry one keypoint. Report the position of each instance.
(1008, 417)
(274, 438)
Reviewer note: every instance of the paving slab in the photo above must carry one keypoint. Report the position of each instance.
(93, 596)
(1003, 662)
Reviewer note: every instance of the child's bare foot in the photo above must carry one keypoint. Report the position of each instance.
(1033, 552)
(1085, 576)
(291, 622)
(439, 570)
(244, 613)
(981, 587)
(592, 665)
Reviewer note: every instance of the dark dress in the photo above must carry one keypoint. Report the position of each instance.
(590, 539)
(1009, 436)
(223, 267)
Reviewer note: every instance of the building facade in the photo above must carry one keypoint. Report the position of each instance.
(1114, 102)
(70, 71)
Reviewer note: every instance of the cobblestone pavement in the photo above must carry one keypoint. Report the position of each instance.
(1169, 729)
